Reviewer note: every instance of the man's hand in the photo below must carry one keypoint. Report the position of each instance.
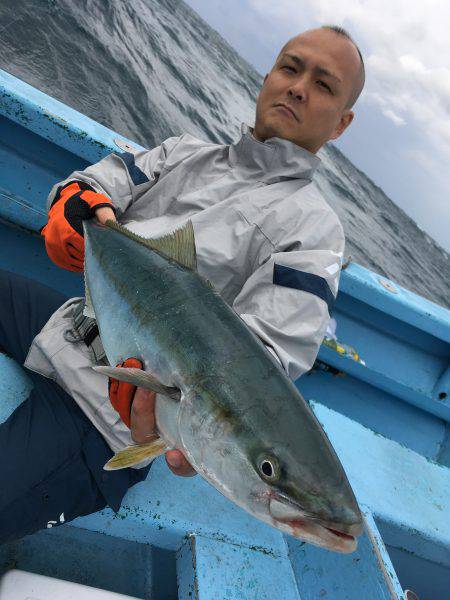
(143, 430)
(63, 233)
(136, 407)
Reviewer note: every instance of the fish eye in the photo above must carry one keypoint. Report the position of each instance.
(268, 467)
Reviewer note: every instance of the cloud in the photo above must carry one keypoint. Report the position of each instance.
(390, 114)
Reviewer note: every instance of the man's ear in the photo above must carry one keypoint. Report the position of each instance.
(346, 118)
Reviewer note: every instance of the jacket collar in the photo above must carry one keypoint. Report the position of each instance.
(273, 160)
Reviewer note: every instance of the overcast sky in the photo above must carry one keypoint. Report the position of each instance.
(400, 136)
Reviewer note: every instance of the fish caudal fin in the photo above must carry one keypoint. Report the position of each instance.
(140, 378)
(178, 245)
(133, 455)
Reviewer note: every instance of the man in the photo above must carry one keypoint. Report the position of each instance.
(269, 243)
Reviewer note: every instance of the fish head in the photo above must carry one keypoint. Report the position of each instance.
(308, 499)
(275, 462)
(306, 495)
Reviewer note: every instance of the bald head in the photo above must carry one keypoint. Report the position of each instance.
(350, 57)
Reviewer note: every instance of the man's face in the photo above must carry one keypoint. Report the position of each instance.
(314, 76)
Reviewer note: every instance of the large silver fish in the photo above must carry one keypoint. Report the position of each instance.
(223, 400)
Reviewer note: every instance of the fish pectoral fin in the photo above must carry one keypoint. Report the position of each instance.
(132, 455)
(140, 378)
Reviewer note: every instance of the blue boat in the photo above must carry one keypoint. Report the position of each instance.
(380, 387)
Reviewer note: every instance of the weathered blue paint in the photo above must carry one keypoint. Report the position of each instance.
(210, 569)
(408, 494)
(365, 286)
(378, 410)
(402, 359)
(402, 392)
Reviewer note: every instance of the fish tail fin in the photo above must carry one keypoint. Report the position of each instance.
(132, 455)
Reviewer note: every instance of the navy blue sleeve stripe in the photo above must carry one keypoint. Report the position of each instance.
(306, 282)
(137, 176)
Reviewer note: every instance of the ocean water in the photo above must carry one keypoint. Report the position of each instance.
(150, 69)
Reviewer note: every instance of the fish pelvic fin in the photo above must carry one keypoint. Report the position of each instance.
(133, 455)
(178, 245)
(140, 378)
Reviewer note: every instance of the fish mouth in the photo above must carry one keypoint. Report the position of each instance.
(291, 518)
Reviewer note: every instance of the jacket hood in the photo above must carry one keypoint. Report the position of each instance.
(274, 159)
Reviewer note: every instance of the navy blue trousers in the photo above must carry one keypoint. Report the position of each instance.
(51, 456)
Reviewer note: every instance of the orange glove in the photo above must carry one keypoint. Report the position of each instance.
(121, 393)
(64, 231)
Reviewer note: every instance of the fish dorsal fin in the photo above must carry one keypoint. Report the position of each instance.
(178, 245)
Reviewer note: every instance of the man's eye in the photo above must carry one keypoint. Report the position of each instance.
(287, 67)
(325, 85)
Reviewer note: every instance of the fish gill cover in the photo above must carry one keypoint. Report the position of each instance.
(151, 69)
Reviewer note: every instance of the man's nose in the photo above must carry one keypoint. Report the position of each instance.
(298, 90)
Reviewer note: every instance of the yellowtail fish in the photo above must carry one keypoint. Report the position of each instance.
(222, 398)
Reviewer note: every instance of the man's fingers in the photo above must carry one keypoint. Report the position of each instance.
(143, 416)
(178, 464)
(104, 213)
(143, 430)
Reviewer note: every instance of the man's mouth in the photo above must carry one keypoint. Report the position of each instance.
(287, 109)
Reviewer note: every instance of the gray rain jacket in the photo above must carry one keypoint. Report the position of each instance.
(264, 237)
